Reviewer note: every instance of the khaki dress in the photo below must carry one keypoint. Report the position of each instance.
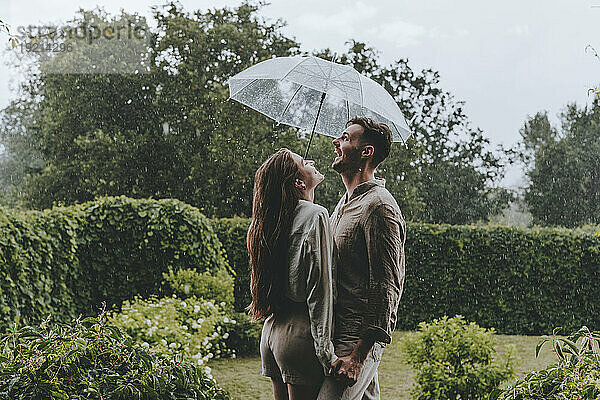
(296, 344)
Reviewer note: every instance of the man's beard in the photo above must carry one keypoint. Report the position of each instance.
(349, 162)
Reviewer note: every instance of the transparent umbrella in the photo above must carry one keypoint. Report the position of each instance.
(315, 94)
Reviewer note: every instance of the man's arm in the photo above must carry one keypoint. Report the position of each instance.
(384, 234)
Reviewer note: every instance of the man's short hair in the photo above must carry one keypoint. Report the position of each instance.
(377, 135)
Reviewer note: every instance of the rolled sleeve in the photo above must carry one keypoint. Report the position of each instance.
(319, 289)
(384, 236)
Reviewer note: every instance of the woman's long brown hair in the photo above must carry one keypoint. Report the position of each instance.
(275, 198)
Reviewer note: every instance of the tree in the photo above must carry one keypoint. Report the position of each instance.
(169, 130)
(564, 170)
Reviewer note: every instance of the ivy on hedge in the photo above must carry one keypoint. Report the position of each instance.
(515, 280)
(67, 260)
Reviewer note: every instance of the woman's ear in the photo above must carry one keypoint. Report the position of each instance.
(300, 184)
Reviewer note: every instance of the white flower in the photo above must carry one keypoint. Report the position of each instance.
(186, 288)
(226, 335)
(183, 304)
(233, 321)
(197, 308)
(184, 327)
(163, 342)
(200, 320)
(173, 345)
(233, 355)
(145, 345)
(226, 320)
(210, 355)
(222, 304)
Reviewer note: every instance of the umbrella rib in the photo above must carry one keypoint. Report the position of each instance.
(288, 104)
(245, 86)
(398, 130)
(362, 100)
(294, 67)
(319, 66)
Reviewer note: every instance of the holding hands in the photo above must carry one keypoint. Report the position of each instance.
(347, 369)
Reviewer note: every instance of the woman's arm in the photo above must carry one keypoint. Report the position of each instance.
(319, 291)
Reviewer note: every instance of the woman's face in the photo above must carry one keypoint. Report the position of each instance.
(310, 176)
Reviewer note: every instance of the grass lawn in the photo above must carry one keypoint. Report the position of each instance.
(241, 377)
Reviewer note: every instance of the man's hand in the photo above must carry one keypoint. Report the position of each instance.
(347, 369)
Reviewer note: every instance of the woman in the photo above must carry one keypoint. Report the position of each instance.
(290, 247)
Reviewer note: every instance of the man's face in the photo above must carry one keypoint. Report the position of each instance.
(347, 149)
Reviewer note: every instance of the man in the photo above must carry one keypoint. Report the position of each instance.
(369, 233)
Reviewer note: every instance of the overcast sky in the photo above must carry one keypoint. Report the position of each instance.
(505, 59)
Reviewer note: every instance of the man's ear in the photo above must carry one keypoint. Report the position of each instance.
(367, 151)
(300, 184)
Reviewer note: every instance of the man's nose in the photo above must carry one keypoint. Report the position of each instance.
(335, 141)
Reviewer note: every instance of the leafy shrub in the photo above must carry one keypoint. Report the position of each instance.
(67, 260)
(519, 281)
(244, 335)
(576, 375)
(216, 286)
(232, 234)
(454, 360)
(191, 327)
(90, 359)
(135, 241)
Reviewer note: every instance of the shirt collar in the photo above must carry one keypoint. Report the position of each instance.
(365, 187)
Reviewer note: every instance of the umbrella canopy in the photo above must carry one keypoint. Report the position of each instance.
(315, 94)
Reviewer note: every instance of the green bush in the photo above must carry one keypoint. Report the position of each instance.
(214, 286)
(232, 234)
(90, 359)
(191, 327)
(244, 335)
(519, 281)
(454, 360)
(133, 242)
(66, 260)
(200, 325)
(576, 375)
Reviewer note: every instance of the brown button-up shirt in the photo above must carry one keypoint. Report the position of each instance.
(369, 233)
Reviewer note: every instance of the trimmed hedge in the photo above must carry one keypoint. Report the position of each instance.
(67, 260)
(515, 280)
(232, 234)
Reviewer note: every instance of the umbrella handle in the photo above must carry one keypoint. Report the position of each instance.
(314, 126)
